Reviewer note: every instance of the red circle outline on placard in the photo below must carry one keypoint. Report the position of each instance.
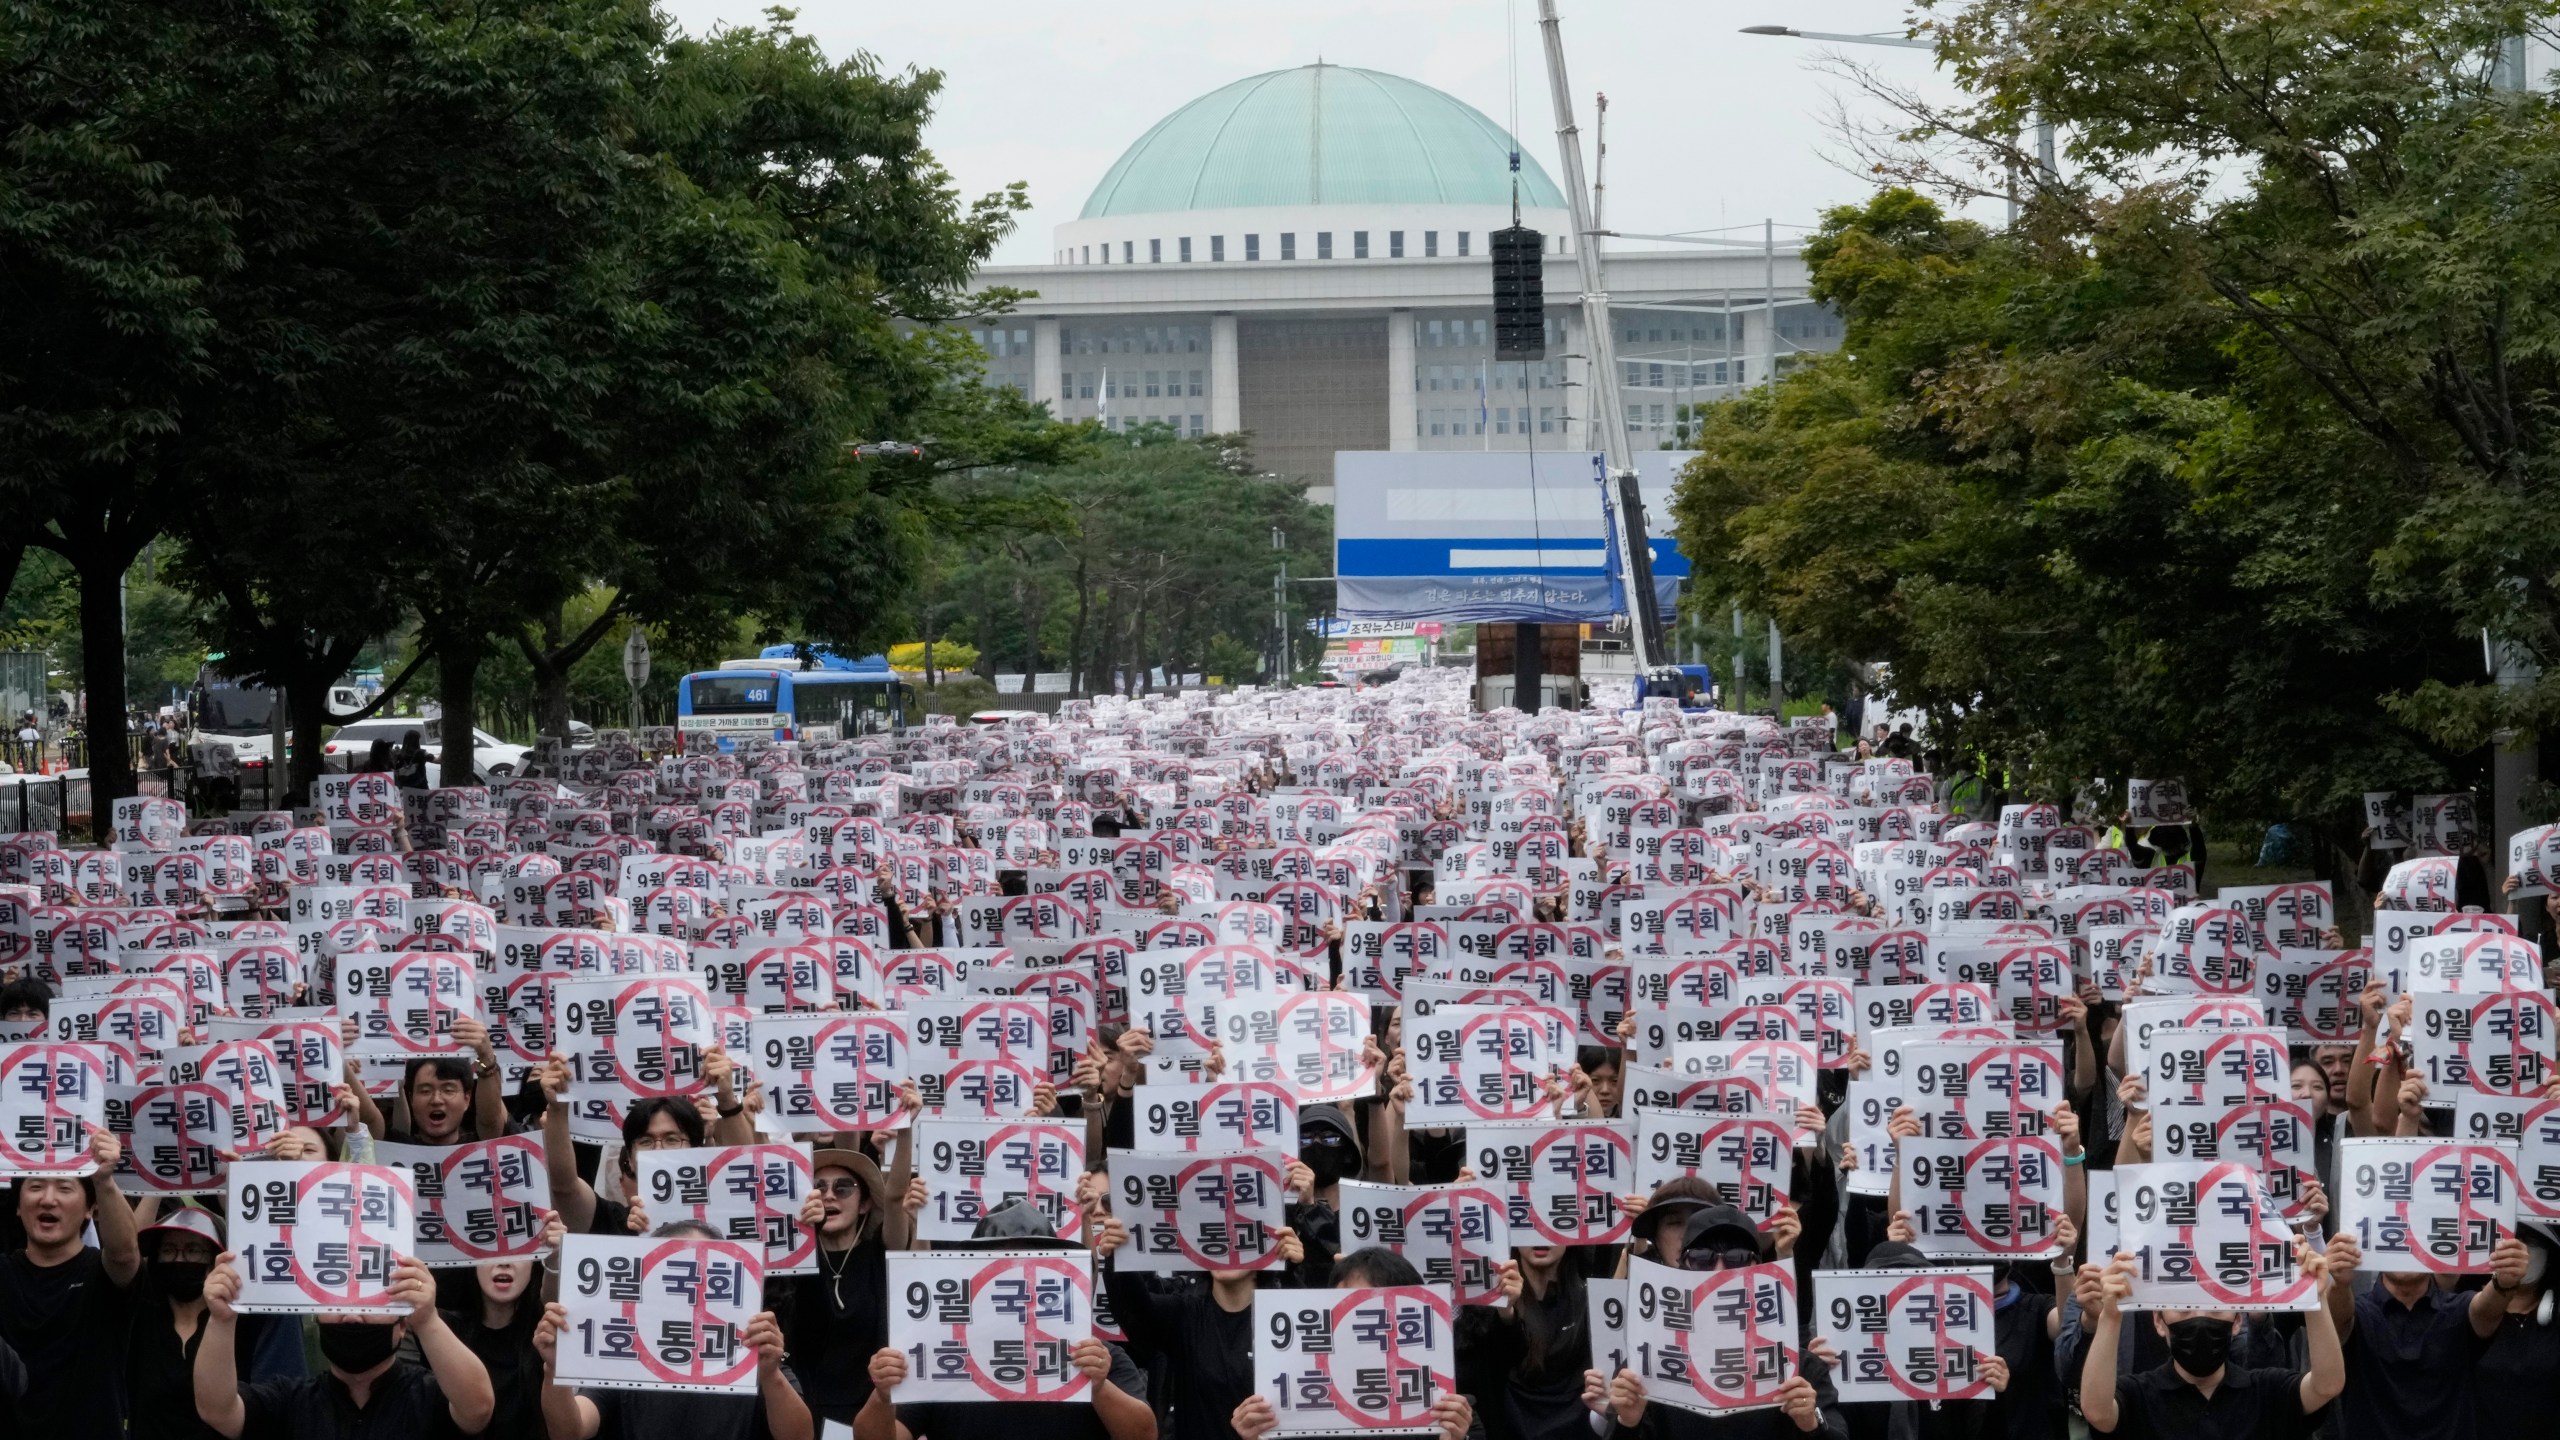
(1939, 1282)
(402, 1189)
(1260, 1164)
(702, 1312)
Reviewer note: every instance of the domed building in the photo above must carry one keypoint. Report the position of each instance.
(1301, 254)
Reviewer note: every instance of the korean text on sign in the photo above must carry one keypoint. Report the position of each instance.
(1906, 1334)
(991, 1325)
(320, 1239)
(1354, 1362)
(658, 1314)
(1714, 1343)
(481, 1200)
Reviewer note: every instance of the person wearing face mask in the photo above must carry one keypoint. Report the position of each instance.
(169, 1320)
(1952, 1420)
(1330, 1152)
(1720, 1237)
(2201, 1394)
(369, 1388)
(66, 1306)
(2413, 1348)
(837, 1318)
(2516, 1389)
(1530, 1359)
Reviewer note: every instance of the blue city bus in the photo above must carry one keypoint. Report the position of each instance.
(776, 695)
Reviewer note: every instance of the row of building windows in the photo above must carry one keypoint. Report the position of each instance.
(1508, 375)
(1360, 248)
(1675, 376)
(1192, 425)
(1131, 384)
(1133, 340)
(1502, 419)
(1000, 342)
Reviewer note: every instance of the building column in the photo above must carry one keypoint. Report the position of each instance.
(1226, 393)
(1401, 413)
(1047, 387)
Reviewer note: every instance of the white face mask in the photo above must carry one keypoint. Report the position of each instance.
(2537, 1259)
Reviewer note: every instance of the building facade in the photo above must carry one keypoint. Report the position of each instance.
(1301, 255)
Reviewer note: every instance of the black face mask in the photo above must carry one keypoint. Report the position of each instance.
(2200, 1344)
(182, 1279)
(1330, 1162)
(355, 1347)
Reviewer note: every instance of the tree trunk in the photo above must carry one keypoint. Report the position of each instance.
(1075, 634)
(1023, 590)
(101, 570)
(551, 681)
(306, 699)
(457, 691)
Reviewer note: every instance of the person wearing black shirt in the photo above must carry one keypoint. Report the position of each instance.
(2516, 1388)
(660, 1124)
(774, 1412)
(169, 1322)
(409, 766)
(370, 1388)
(834, 1319)
(1977, 1419)
(1528, 1359)
(497, 1324)
(1203, 1332)
(2412, 1348)
(2200, 1394)
(66, 1307)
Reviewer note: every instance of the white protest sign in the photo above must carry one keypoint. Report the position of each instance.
(1222, 1115)
(2205, 1235)
(979, 1054)
(832, 1071)
(175, 1135)
(1456, 1235)
(309, 1059)
(991, 1325)
(628, 1038)
(480, 1200)
(1355, 1362)
(2426, 1206)
(1712, 1344)
(1474, 1063)
(2219, 1067)
(2533, 1127)
(1983, 1197)
(2486, 1044)
(749, 1194)
(973, 1166)
(2276, 1138)
(1871, 1103)
(1199, 1210)
(1906, 1334)
(658, 1314)
(53, 1097)
(312, 1238)
(1746, 1159)
(1560, 1178)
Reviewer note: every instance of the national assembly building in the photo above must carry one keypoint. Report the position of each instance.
(1302, 255)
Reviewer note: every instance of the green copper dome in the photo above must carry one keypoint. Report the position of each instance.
(1319, 135)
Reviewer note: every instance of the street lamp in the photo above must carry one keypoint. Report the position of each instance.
(2044, 128)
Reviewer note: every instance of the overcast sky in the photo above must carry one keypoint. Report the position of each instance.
(1707, 127)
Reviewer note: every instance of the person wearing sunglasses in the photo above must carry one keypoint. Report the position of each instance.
(1722, 1237)
(838, 1317)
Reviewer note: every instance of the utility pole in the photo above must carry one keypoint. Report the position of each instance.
(1280, 607)
(1769, 303)
(1608, 411)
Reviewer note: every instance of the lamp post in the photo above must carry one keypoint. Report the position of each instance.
(2044, 128)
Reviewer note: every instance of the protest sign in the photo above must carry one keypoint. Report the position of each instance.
(1561, 1179)
(1983, 1197)
(1787, 1073)
(1355, 1362)
(2420, 1205)
(2488, 1044)
(479, 1200)
(1199, 1210)
(991, 1325)
(406, 1000)
(1869, 1154)
(132, 1028)
(2533, 1127)
(314, 1238)
(832, 1071)
(628, 1039)
(1746, 1159)
(1906, 1334)
(2206, 1235)
(1475, 1063)
(748, 1194)
(175, 1136)
(1457, 1235)
(1222, 1115)
(2273, 1137)
(658, 1314)
(1712, 1344)
(247, 1072)
(306, 1044)
(2312, 994)
(53, 1097)
(980, 1054)
(2221, 1067)
(972, 1166)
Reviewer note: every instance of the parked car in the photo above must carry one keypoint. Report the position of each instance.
(490, 755)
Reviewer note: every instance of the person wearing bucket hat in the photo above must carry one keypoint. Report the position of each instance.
(179, 1240)
(1119, 1410)
(836, 1317)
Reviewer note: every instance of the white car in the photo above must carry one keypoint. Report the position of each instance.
(490, 755)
